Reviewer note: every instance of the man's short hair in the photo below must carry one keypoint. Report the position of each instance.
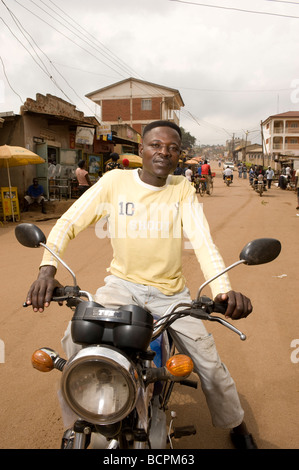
(154, 124)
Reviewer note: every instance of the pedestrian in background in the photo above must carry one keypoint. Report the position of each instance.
(269, 176)
(82, 177)
(288, 173)
(114, 163)
(207, 174)
(35, 193)
(189, 173)
(297, 187)
(178, 170)
(240, 170)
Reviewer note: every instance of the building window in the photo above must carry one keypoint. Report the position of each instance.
(146, 105)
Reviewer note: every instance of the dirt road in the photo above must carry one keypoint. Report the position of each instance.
(262, 366)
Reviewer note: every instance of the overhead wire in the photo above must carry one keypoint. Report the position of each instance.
(64, 34)
(49, 76)
(69, 39)
(141, 86)
(280, 1)
(45, 69)
(41, 65)
(86, 33)
(79, 35)
(10, 86)
(138, 85)
(240, 10)
(83, 70)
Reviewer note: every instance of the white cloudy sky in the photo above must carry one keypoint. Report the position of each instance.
(233, 65)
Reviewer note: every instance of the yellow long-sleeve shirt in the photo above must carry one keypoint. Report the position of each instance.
(146, 225)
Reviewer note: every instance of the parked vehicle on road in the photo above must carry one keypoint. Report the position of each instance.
(229, 164)
(119, 383)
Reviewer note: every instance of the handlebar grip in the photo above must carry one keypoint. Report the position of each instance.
(59, 292)
(220, 307)
(65, 292)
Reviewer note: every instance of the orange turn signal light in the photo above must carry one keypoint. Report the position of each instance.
(42, 361)
(179, 365)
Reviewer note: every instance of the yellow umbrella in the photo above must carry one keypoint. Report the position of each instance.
(191, 162)
(11, 155)
(134, 160)
(17, 156)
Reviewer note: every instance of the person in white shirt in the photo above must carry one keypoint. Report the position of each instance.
(228, 172)
(148, 211)
(269, 176)
(189, 174)
(288, 172)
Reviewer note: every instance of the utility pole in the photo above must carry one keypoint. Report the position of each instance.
(233, 147)
(263, 143)
(245, 145)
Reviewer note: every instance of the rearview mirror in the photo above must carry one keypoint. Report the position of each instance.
(260, 251)
(29, 235)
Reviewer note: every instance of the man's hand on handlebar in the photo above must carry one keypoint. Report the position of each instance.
(238, 305)
(41, 291)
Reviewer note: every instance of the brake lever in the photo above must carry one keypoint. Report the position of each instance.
(203, 308)
(228, 325)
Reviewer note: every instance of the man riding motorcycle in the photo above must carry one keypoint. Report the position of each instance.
(147, 265)
(228, 172)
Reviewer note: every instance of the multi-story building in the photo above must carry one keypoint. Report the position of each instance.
(281, 134)
(136, 103)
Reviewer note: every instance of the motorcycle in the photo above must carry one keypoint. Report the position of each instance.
(118, 385)
(228, 180)
(259, 184)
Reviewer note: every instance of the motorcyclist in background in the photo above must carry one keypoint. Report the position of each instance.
(147, 267)
(228, 172)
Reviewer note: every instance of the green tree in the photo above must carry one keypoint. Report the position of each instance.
(188, 140)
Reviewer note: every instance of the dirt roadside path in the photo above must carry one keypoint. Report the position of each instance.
(266, 377)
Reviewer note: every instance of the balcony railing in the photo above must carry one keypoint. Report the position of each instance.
(285, 130)
(285, 146)
(292, 130)
(291, 146)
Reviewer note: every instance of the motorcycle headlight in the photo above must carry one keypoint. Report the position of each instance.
(100, 385)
